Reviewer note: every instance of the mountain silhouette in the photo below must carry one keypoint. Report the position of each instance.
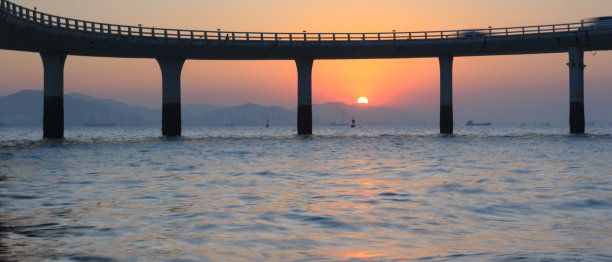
(25, 108)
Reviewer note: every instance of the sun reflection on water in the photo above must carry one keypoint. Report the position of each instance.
(332, 198)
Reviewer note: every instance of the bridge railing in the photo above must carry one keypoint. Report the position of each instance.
(152, 32)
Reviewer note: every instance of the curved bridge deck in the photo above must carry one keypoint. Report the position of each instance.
(55, 37)
(30, 30)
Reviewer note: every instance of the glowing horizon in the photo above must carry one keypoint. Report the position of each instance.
(491, 86)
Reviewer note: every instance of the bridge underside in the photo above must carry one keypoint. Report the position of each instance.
(17, 34)
(55, 44)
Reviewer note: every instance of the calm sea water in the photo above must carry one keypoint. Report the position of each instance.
(257, 194)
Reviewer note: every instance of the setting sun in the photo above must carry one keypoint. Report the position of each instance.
(362, 100)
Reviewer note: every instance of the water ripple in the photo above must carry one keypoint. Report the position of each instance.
(255, 194)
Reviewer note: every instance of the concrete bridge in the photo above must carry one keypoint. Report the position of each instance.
(55, 37)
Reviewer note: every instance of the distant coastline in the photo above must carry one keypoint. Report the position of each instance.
(24, 108)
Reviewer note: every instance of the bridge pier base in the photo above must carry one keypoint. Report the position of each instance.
(576, 68)
(304, 112)
(171, 95)
(53, 109)
(446, 94)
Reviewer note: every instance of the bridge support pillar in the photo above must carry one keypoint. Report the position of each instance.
(446, 94)
(576, 68)
(53, 109)
(171, 95)
(304, 113)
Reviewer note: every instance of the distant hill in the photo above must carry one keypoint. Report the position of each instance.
(25, 108)
(189, 111)
(19, 109)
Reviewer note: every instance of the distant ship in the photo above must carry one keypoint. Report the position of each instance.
(471, 123)
(267, 123)
(353, 122)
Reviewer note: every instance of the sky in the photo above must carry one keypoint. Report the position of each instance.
(521, 88)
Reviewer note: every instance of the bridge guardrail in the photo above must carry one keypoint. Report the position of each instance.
(152, 32)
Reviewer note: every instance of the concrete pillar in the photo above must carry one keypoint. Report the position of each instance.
(53, 112)
(171, 95)
(304, 114)
(576, 68)
(446, 94)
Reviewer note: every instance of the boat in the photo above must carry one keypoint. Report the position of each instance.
(353, 122)
(268, 123)
(471, 123)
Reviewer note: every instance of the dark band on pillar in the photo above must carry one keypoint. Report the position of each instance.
(304, 119)
(171, 119)
(53, 117)
(576, 117)
(446, 119)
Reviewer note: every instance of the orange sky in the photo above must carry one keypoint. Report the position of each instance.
(492, 85)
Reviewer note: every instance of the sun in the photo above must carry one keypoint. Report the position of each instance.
(362, 100)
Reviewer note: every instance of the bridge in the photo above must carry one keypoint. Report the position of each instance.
(56, 37)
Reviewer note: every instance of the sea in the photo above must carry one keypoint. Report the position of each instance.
(486, 193)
